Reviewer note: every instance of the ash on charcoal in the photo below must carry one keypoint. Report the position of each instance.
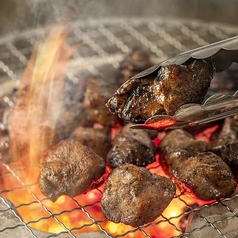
(214, 220)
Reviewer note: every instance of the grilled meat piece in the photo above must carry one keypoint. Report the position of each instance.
(98, 139)
(229, 154)
(135, 62)
(203, 173)
(176, 147)
(69, 169)
(138, 99)
(131, 146)
(226, 145)
(135, 196)
(176, 85)
(207, 176)
(135, 101)
(97, 93)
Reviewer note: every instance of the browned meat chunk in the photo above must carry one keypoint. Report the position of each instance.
(135, 101)
(207, 176)
(98, 139)
(176, 85)
(226, 145)
(176, 147)
(228, 151)
(135, 62)
(97, 93)
(131, 146)
(135, 196)
(203, 173)
(69, 169)
(138, 99)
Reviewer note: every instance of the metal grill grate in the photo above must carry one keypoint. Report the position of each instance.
(103, 42)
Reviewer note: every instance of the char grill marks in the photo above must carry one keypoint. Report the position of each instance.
(138, 99)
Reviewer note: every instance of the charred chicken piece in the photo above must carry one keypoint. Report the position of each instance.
(135, 196)
(226, 145)
(98, 139)
(131, 146)
(136, 61)
(97, 93)
(203, 173)
(228, 151)
(135, 101)
(176, 85)
(69, 169)
(207, 176)
(176, 147)
(140, 98)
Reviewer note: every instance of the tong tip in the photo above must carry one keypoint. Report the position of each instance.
(158, 122)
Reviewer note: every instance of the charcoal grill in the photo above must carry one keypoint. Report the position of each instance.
(101, 43)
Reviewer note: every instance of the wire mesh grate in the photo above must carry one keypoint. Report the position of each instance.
(99, 43)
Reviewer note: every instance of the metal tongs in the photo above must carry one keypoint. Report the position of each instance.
(218, 106)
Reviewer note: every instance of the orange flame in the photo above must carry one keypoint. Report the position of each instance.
(32, 124)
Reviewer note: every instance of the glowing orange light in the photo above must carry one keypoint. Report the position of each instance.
(45, 70)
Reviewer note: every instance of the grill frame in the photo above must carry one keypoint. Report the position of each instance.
(102, 42)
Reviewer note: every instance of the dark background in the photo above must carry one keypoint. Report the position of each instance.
(20, 15)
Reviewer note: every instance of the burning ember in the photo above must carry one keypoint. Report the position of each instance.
(33, 126)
